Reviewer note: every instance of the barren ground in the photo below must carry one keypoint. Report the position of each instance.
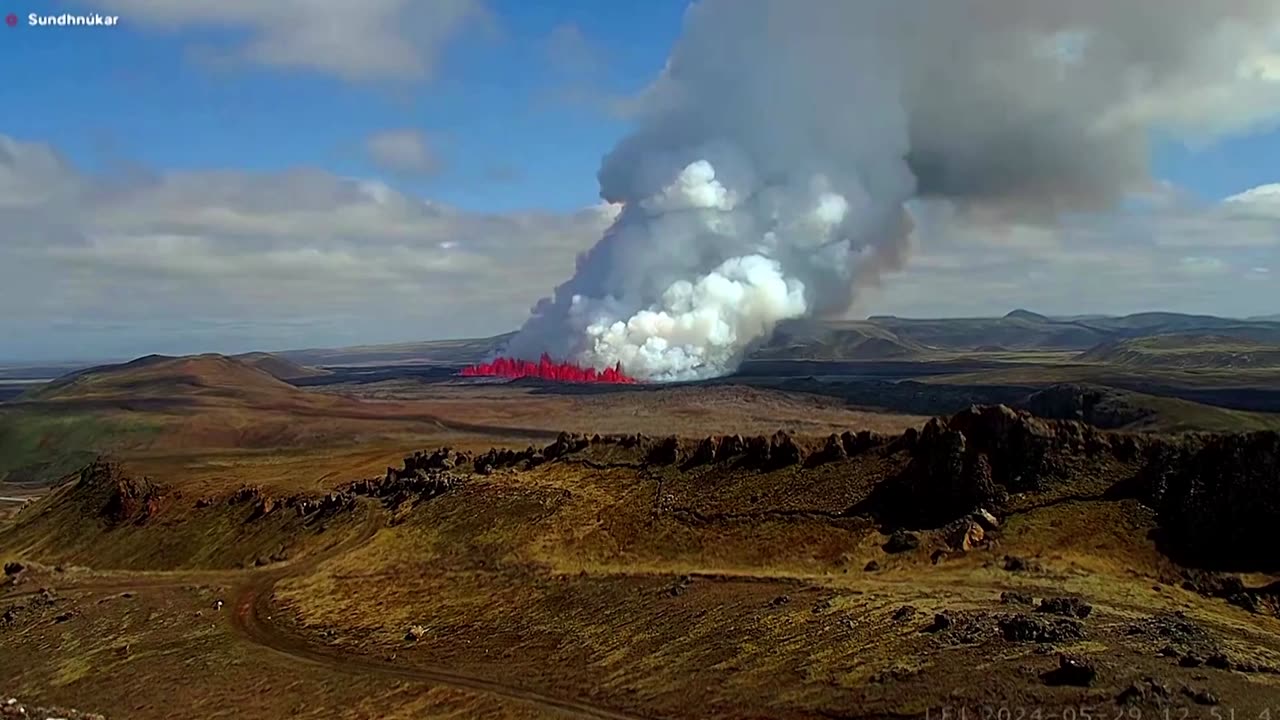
(245, 552)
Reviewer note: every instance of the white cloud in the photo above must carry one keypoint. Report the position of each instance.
(1170, 257)
(354, 40)
(1259, 202)
(106, 266)
(1262, 194)
(192, 261)
(1202, 265)
(405, 152)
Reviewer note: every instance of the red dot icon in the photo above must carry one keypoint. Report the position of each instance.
(11, 20)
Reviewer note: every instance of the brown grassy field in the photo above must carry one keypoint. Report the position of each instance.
(226, 565)
(604, 583)
(212, 421)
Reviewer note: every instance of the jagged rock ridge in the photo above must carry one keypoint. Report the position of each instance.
(1215, 495)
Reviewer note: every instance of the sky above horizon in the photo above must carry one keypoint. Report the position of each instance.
(245, 175)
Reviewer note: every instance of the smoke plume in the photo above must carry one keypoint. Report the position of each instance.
(776, 156)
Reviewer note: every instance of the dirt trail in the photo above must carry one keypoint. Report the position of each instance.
(251, 621)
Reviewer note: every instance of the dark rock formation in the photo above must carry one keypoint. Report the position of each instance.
(861, 442)
(901, 541)
(706, 452)
(1071, 670)
(1101, 407)
(564, 444)
(124, 499)
(665, 452)
(1144, 691)
(758, 453)
(1066, 606)
(783, 450)
(941, 621)
(1218, 497)
(944, 480)
(1013, 597)
(832, 450)
(1020, 627)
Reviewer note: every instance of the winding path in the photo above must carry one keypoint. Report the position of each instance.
(250, 620)
(251, 614)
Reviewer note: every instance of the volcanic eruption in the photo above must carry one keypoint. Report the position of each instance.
(784, 158)
(547, 369)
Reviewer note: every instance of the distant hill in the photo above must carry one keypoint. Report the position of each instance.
(1116, 409)
(171, 411)
(278, 367)
(161, 376)
(1016, 331)
(849, 340)
(880, 337)
(1026, 330)
(154, 402)
(466, 350)
(1160, 323)
(1180, 350)
(1021, 314)
(877, 337)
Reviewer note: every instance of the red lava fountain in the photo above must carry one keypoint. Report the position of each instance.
(547, 369)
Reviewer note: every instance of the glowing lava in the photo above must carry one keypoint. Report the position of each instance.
(547, 369)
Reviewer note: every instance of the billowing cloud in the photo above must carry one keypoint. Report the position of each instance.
(771, 167)
(354, 40)
(403, 152)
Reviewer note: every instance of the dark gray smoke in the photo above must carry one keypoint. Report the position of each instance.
(777, 151)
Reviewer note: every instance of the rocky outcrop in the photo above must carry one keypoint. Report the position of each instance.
(496, 459)
(946, 477)
(981, 457)
(1215, 495)
(832, 450)
(783, 451)
(445, 458)
(1020, 448)
(706, 452)
(396, 491)
(120, 498)
(665, 451)
(564, 444)
(1101, 407)
(395, 488)
(1218, 497)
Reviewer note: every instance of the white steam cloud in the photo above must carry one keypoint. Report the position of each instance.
(776, 154)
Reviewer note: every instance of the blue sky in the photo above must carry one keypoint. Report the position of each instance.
(222, 177)
(500, 104)
(509, 131)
